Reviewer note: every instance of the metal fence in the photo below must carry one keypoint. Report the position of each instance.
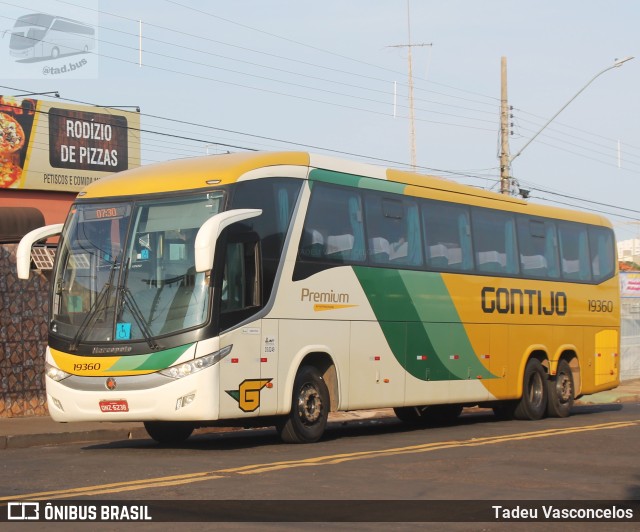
(630, 338)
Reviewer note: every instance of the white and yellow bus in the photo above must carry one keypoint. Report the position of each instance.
(273, 288)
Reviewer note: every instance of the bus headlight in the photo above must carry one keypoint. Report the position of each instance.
(55, 374)
(193, 366)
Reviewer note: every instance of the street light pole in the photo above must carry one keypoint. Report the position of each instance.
(616, 64)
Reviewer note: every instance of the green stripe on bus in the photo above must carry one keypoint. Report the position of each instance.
(418, 318)
(152, 361)
(338, 178)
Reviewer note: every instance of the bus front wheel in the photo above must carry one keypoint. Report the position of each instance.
(55, 53)
(168, 432)
(309, 408)
(561, 391)
(533, 404)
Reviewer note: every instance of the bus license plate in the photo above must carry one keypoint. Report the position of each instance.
(120, 405)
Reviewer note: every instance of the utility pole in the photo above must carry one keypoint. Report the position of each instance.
(505, 178)
(412, 123)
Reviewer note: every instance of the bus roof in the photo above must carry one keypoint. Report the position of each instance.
(207, 171)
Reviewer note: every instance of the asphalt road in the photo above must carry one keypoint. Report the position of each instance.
(591, 455)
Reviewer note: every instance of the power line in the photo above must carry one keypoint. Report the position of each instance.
(366, 157)
(262, 52)
(579, 207)
(335, 54)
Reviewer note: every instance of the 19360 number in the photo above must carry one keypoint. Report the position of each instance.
(600, 305)
(87, 367)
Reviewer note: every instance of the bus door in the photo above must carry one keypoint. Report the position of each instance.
(237, 286)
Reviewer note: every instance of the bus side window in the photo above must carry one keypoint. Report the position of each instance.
(538, 248)
(240, 283)
(393, 229)
(276, 198)
(333, 229)
(240, 277)
(574, 250)
(447, 236)
(602, 252)
(494, 242)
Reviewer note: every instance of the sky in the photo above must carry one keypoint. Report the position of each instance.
(328, 77)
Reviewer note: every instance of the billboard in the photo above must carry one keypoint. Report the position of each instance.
(47, 145)
(630, 284)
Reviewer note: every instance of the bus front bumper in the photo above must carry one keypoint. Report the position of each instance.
(141, 398)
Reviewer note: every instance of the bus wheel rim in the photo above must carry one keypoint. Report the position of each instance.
(309, 405)
(563, 388)
(536, 389)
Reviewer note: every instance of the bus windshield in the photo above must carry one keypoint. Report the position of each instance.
(127, 270)
(29, 30)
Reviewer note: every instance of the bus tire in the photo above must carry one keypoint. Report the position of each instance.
(168, 432)
(309, 408)
(428, 415)
(560, 391)
(55, 52)
(533, 404)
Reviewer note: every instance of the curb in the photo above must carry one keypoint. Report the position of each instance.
(611, 397)
(22, 441)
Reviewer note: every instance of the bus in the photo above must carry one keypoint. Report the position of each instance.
(270, 289)
(39, 35)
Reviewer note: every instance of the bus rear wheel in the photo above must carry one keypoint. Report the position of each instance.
(427, 415)
(533, 404)
(561, 391)
(309, 408)
(168, 432)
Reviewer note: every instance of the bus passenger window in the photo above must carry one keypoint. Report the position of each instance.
(574, 251)
(538, 248)
(240, 278)
(393, 229)
(602, 253)
(447, 236)
(333, 229)
(494, 242)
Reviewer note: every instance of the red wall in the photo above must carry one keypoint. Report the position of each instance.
(54, 205)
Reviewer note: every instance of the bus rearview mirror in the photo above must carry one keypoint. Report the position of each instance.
(208, 234)
(23, 254)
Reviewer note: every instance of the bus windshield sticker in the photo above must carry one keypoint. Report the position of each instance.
(123, 331)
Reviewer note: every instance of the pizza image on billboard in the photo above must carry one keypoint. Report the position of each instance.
(16, 121)
(11, 134)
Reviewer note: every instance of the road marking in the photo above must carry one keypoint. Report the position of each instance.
(254, 469)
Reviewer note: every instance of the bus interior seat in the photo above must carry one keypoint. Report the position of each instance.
(492, 261)
(312, 244)
(398, 250)
(339, 246)
(534, 265)
(571, 269)
(379, 249)
(438, 256)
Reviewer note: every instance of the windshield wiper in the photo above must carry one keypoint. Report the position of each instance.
(102, 297)
(128, 300)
